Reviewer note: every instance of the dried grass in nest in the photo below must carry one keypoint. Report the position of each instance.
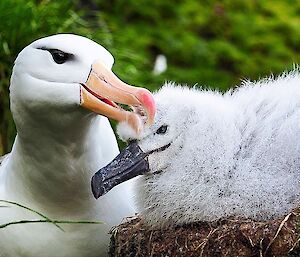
(225, 238)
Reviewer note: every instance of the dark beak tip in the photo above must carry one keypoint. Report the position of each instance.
(130, 163)
(96, 186)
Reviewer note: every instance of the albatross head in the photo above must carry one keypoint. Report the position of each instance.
(156, 147)
(54, 77)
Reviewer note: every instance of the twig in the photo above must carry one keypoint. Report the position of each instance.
(294, 245)
(261, 248)
(150, 239)
(203, 244)
(278, 231)
(298, 239)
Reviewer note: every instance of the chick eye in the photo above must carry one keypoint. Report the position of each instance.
(162, 130)
(59, 56)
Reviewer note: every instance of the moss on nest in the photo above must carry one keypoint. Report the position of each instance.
(224, 238)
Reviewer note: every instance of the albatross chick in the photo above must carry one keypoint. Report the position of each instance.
(210, 155)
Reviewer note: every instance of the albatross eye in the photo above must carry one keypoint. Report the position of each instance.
(162, 130)
(59, 56)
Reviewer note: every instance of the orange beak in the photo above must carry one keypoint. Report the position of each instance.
(103, 88)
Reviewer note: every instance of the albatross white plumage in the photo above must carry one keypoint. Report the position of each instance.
(212, 156)
(60, 144)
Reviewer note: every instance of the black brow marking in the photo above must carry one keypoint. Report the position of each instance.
(50, 50)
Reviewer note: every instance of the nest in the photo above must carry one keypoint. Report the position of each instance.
(224, 238)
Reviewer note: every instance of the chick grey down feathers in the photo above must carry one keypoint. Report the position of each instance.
(233, 154)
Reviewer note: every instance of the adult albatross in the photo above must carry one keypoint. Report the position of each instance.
(60, 144)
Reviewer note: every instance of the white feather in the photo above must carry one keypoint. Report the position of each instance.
(236, 154)
(58, 148)
(160, 65)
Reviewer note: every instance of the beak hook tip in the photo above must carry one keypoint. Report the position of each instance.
(96, 187)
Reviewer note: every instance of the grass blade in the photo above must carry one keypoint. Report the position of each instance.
(52, 221)
(34, 211)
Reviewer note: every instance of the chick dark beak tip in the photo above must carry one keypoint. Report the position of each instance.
(97, 185)
(130, 163)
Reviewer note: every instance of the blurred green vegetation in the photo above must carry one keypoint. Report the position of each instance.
(207, 43)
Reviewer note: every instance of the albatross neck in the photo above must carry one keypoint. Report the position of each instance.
(55, 165)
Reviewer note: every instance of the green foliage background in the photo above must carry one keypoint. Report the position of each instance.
(209, 43)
